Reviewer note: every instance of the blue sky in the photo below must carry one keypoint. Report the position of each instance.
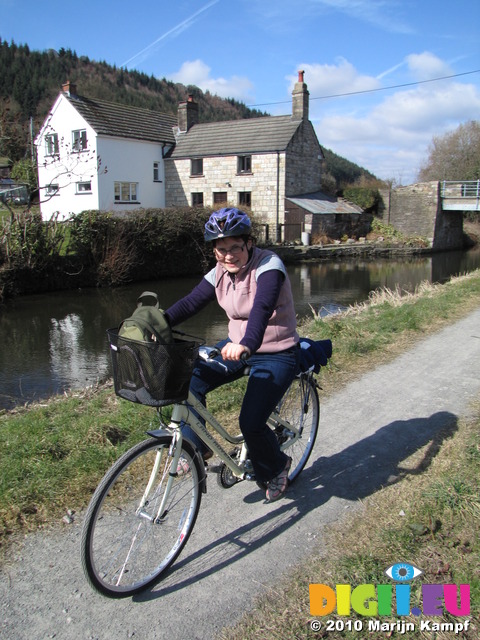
(251, 50)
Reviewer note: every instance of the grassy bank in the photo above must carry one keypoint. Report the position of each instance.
(53, 455)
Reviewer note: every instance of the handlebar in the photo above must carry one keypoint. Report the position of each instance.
(209, 353)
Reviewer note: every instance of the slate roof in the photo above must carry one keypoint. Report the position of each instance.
(319, 202)
(234, 137)
(121, 121)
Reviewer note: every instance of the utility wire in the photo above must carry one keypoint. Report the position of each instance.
(354, 93)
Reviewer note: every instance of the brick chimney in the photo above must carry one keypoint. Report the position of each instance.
(187, 114)
(70, 88)
(300, 97)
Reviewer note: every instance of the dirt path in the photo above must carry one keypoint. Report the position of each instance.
(241, 545)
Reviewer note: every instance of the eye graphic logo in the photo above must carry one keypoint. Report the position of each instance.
(403, 572)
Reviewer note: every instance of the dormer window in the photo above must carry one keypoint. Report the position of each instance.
(79, 140)
(244, 164)
(51, 144)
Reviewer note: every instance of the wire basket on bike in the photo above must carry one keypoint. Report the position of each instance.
(152, 373)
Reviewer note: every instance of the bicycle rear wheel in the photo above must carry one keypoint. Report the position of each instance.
(300, 408)
(129, 540)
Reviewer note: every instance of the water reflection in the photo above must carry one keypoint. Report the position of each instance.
(52, 342)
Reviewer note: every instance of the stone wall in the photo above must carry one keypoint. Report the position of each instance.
(304, 162)
(416, 210)
(266, 183)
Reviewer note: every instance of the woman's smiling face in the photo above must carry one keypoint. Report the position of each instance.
(232, 253)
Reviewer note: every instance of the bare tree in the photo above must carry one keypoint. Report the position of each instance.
(455, 155)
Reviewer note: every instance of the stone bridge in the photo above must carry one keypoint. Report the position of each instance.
(433, 210)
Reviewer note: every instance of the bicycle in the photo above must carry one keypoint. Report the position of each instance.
(142, 513)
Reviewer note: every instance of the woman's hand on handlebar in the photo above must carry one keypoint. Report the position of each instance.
(233, 351)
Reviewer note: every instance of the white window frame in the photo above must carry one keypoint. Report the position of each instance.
(156, 172)
(79, 140)
(85, 186)
(51, 144)
(52, 190)
(125, 192)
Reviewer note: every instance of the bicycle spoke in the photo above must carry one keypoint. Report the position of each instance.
(139, 519)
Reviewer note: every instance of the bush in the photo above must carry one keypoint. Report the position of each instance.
(364, 197)
(28, 242)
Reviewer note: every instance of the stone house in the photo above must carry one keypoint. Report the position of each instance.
(254, 163)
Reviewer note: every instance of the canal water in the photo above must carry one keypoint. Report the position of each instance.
(55, 342)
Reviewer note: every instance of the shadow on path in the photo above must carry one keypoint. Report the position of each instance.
(352, 474)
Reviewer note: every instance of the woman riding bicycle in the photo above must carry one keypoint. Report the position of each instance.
(253, 288)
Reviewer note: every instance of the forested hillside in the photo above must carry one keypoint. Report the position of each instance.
(31, 80)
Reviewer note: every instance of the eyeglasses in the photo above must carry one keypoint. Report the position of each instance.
(233, 251)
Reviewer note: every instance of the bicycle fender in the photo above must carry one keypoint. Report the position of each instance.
(158, 433)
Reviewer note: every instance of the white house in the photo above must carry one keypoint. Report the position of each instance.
(98, 155)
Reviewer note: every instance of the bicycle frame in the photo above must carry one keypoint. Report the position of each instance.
(182, 412)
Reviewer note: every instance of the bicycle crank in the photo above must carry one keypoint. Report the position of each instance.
(225, 477)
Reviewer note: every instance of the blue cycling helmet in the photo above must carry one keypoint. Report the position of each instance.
(227, 222)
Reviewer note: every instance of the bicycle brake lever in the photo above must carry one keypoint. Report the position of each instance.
(208, 353)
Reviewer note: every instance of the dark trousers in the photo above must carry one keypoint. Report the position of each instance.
(270, 376)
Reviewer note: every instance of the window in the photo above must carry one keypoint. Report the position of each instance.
(79, 140)
(219, 197)
(245, 198)
(197, 199)
(196, 167)
(244, 164)
(84, 187)
(156, 172)
(51, 189)
(126, 191)
(51, 144)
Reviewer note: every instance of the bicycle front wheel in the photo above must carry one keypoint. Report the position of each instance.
(300, 408)
(133, 531)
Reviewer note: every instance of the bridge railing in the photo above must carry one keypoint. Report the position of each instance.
(460, 189)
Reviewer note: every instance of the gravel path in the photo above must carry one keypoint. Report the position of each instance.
(240, 545)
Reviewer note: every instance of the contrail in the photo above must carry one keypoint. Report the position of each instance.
(175, 31)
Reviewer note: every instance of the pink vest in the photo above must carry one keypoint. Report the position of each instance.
(236, 298)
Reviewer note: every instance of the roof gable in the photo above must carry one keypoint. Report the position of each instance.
(233, 137)
(121, 121)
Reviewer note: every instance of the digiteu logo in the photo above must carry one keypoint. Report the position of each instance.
(377, 600)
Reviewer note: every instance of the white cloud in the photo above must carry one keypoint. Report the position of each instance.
(426, 65)
(197, 73)
(389, 135)
(333, 79)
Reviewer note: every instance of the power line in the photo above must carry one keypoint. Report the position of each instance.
(354, 93)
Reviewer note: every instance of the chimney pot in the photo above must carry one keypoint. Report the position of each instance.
(300, 76)
(70, 88)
